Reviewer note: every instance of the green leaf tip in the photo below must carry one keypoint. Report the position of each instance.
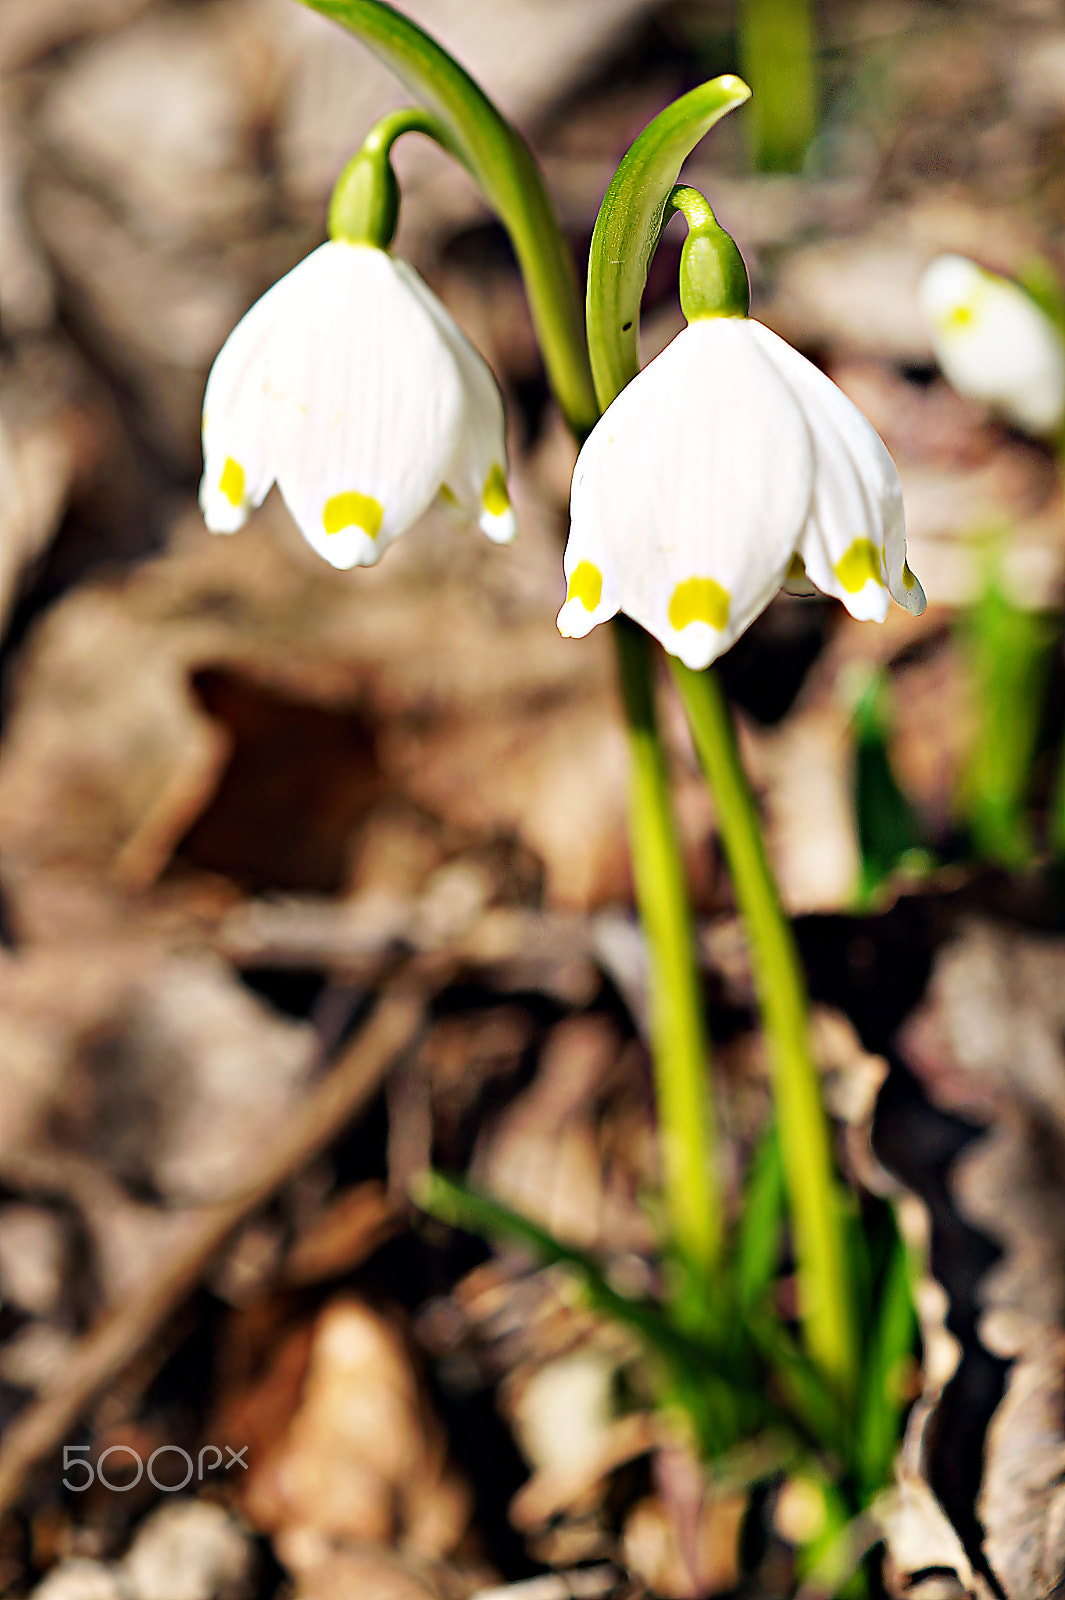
(630, 221)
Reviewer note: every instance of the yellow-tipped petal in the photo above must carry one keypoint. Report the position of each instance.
(232, 481)
(353, 510)
(497, 518)
(860, 564)
(699, 600)
(371, 404)
(586, 585)
(673, 482)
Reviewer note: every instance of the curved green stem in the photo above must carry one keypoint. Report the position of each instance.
(365, 204)
(472, 130)
(681, 1050)
(825, 1305)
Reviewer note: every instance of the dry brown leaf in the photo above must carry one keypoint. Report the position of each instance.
(654, 1547)
(109, 760)
(542, 1157)
(988, 1044)
(340, 1238)
(363, 1460)
(130, 1068)
(373, 1573)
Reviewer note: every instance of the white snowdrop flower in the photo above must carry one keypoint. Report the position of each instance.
(729, 466)
(350, 385)
(994, 343)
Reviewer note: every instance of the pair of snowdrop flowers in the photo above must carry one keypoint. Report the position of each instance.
(729, 467)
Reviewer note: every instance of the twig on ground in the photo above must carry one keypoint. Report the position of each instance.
(109, 1347)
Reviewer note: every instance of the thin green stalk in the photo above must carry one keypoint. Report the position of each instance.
(825, 1303)
(681, 1053)
(777, 50)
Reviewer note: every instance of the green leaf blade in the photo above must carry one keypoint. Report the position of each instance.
(630, 222)
(761, 1223)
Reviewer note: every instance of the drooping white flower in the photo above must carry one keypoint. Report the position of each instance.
(994, 343)
(350, 385)
(729, 465)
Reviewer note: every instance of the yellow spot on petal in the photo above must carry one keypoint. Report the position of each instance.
(859, 565)
(448, 495)
(959, 316)
(353, 510)
(494, 497)
(796, 569)
(232, 482)
(586, 585)
(908, 579)
(699, 600)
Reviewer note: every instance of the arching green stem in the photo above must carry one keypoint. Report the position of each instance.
(365, 204)
(471, 129)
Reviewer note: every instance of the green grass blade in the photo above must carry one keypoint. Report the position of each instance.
(779, 57)
(461, 1207)
(882, 1398)
(888, 830)
(761, 1222)
(1009, 658)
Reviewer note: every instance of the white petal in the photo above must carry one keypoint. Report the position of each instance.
(854, 539)
(237, 441)
(592, 594)
(370, 399)
(692, 490)
(477, 475)
(994, 343)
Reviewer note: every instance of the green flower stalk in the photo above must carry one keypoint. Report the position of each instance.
(680, 1046)
(826, 1299)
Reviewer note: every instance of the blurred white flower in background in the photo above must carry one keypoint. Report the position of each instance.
(994, 343)
(730, 465)
(350, 385)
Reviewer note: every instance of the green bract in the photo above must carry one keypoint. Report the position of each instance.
(630, 222)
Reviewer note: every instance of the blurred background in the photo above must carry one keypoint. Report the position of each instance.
(241, 794)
